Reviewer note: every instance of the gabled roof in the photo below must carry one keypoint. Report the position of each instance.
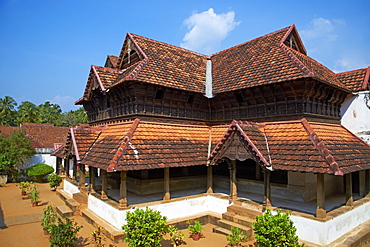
(266, 60)
(356, 80)
(301, 146)
(44, 135)
(171, 66)
(141, 145)
(80, 139)
(273, 58)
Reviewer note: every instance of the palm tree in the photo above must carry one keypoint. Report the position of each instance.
(27, 112)
(7, 110)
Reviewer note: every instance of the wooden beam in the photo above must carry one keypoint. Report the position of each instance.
(209, 179)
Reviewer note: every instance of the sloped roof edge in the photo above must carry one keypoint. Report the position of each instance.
(323, 150)
(121, 150)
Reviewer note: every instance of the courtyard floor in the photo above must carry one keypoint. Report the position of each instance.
(20, 223)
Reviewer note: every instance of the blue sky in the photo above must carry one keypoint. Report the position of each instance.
(47, 46)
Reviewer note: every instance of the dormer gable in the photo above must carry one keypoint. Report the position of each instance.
(293, 40)
(130, 53)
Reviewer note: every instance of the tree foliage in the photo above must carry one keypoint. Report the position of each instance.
(144, 228)
(46, 112)
(275, 230)
(15, 149)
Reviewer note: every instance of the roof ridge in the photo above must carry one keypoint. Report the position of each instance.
(166, 44)
(321, 147)
(290, 54)
(262, 36)
(134, 73)
(123, 146)
(351, 71)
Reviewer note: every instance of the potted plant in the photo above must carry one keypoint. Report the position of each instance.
(176, 236)
(24, 186)
(236, 237)
(54, 181)
(49, 218)
(195, 230)
(34, 196)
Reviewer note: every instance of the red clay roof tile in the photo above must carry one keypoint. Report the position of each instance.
(356, 80)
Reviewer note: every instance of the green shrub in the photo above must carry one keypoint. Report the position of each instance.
(64, 233)
(54, 180)
(49, 218)
(275, 230)
(144, 228)
(40, 170)
(236, 237)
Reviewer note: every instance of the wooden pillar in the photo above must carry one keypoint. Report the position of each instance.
(349, 195)
(367, 183)
(209, 180)
(258, 172)
(167, 195)
(66, 167)
(233, 187)
(320, 187)
(92, 182)
(74, 171)
(81, 183)
(104, 185)
(123, 190)
(267, 190)
(362, 183)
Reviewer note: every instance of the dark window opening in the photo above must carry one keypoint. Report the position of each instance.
(239, 97)
(159, 94)
(190, 99)
(248, 170)
(221, 169)
(279, 177)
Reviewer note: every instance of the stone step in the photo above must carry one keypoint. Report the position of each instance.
(64, 211)
(246, 212)
(63, 195)
(221, 230)
(109, 231)
(74, 206)
(238, 219)
(80, 198)
(228, 224)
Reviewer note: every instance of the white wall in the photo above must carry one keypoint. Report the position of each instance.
(356, 115)
(323, 233)
(171, 210)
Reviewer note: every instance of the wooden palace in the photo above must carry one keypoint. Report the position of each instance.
(257, 124)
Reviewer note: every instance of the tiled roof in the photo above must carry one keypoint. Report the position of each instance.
(143, 145)
(356, 80)
(171, 66)
(7, 130)
(44, 135)
(113, 60)
(81, 139)
(265, 60)
(261, 61)
(305, 147)
(59, 152)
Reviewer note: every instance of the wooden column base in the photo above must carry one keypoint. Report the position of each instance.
(103, 196)
(320, 213)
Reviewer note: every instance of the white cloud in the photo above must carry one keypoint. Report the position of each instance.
(207, 30)
(322, 28)
(349, 62)
(65, 102)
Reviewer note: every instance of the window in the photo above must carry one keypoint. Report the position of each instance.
(159, 94)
